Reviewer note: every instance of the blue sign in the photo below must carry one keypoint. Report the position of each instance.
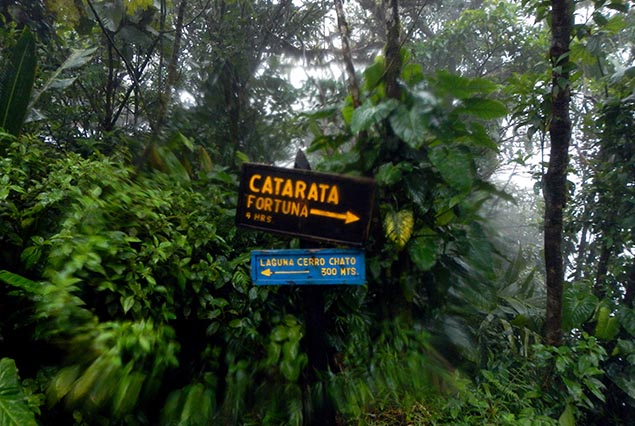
(308, 266)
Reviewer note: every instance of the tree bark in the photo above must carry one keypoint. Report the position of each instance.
(346, 52)
(555, 179)
(603, 267)
(579, 264)
(629, 285)
(172, 67)
(392, 51)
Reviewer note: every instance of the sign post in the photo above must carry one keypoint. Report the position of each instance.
(312, 206)
(317, 348)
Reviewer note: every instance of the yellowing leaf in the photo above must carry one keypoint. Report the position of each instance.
(398, 226)
(133, 5)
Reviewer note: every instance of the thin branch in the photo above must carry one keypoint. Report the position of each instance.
(104, 30)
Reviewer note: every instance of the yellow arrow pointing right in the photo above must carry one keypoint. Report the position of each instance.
(348, 217)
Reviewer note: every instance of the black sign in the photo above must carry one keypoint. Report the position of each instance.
(303, 203)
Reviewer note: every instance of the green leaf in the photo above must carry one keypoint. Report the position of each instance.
(16, 83)
(455, 166)
(347, 113)
(374, 74)
(578, 306)
(462, 87)
(412, 74)
(423, 252)
(567, 418)
(619, 6)
(127, 303)
(290, 370)
(408, 125)
(78, 58)
(326, 112)
(479, 137)
(19, 281)
(626, 317)
(31, 255)
(486, 109)
(367, 114)
(607, 326)
(388, 174)
(280, 333)
(14, 410)
(627, 384)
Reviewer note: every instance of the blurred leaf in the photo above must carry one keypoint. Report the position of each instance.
(607, 326)
(455, 166)
(423, 252)
(368, 114)
(626, 317)
(19, 281)
(127, 303)
(578, 306)
(14, 410)
(16, 83)
(388, 174)
(408, 125)
(412, 74)
(78, 58)
(479, 137)
(205, 159)
(462, 87)
(567, 418)
(486, 109)
(374, 74)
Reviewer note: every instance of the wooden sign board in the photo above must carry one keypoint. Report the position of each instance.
(308, 266)
(304, 203)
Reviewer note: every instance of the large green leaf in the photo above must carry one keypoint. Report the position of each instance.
(567, 418)
(486, 109)
(578, 306)
(455, 166)
(14, 410)
(368, 114)
(16, 83)
(388, 174)
(462, 87)
(626, 316)
(19, 281)
(423, 252)
(78, 58)
(374, 74)
(408, 125)
(607, 326)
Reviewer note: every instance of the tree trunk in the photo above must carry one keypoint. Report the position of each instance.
(172, 67)
(346, 51)
(629, 285)
(392, 51)
(579, 263)
(603, 268)
(556, 178)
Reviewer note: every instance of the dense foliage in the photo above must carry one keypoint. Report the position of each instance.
(125, 290)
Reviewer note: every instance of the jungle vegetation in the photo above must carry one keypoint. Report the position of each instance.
(501, 253)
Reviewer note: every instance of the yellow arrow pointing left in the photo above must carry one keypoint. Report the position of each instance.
(268, 272)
